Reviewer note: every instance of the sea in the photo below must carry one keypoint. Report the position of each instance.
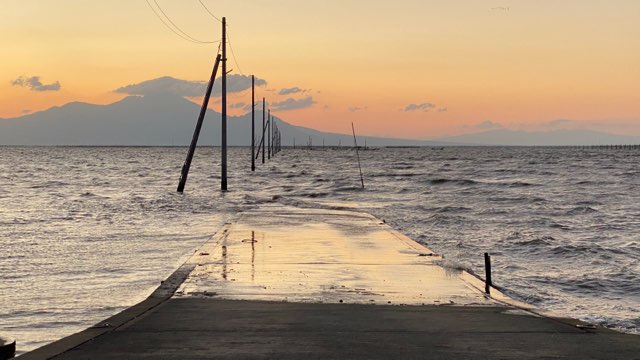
(86, 232)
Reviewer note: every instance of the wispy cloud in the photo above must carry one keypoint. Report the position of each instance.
(34, 84)
(416, 107)
(237, 83)
(293, 104)
(443, 109)
(291, 90)
(358, 108)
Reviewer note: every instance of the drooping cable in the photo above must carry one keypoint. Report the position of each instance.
(209, 11)
(233, 54)
(173, 29)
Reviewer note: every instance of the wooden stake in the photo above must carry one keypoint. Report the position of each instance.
(253, 123)
(223, 162)
(487, 269)
(264, 125)
(355, 143)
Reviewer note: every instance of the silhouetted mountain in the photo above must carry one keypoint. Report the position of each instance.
(542, 138)
(155, 121)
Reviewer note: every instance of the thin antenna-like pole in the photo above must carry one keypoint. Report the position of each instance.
(223, 177)
(355, 143)
(253, 123)
(264, 125)
(196, 132)
(269, 136)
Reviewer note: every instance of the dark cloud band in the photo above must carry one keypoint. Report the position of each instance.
(34, 84)
(172, 86)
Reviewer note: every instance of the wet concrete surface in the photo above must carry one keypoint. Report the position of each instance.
(279, 253)
(285, 283)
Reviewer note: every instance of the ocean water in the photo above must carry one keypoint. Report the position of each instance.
(87, 232)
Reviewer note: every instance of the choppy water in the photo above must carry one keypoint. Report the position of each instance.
(87, 232)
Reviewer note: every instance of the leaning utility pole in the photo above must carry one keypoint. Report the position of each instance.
(253, 123)
(223, 177)
(196, 133)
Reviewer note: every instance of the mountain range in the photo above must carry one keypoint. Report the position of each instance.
(161, 120)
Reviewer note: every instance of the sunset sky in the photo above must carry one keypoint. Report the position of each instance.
(404, 68)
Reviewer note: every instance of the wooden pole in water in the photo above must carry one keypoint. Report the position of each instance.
(253, 123)
(357, 154)
(269, 136)
(487, 269)
(196, 133)
(264, 125)
(223, 162)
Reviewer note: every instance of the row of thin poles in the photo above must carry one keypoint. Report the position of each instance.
(270, 130)
(271, 141)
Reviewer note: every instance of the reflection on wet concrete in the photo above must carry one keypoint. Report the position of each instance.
(313, 255)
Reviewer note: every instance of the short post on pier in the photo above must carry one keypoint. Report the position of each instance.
(487, 269)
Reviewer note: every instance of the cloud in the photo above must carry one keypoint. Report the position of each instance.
(358, 108)
(247, 107)
(415, 107)
(292, 90)
(165, 85)
(237, 83)
(34, 84)
(443, 109)
(488, 125)
(240, 105)
(293, 104)
(168, 85)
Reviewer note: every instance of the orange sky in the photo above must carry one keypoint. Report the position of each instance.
(520, 64)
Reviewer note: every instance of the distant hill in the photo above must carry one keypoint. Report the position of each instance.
(506, 137)
(157, 121)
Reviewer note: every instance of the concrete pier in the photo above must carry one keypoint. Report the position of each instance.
(289, 283)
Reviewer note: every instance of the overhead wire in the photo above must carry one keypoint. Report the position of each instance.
(179, 31)
(209, 11)
(178, 28)
(233, 54)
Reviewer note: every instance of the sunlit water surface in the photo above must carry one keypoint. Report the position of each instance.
(87, 232)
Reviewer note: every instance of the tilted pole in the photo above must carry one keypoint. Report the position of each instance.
(261, 145)
(269, 136)
(223, 162)
(253, 123)
(196, 133)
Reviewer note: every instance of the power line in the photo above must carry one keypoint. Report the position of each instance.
(209, 11)
(235, 60)
(178, 28)
(181, 33)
